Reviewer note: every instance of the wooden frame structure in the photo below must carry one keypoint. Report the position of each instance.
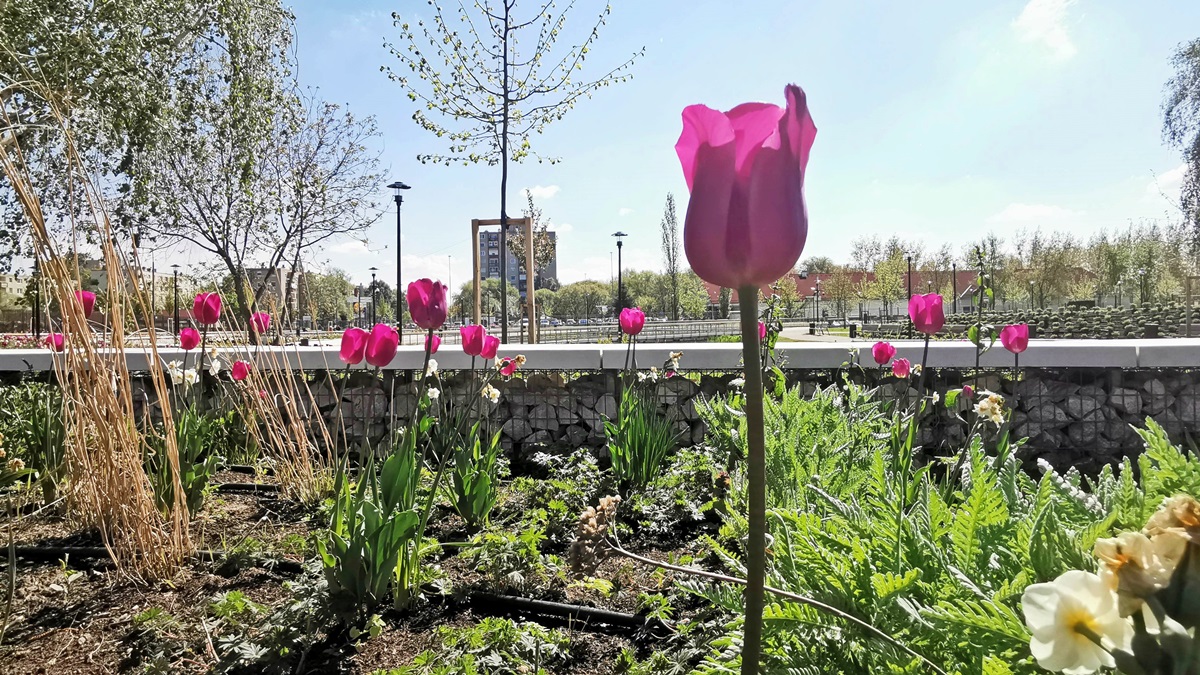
(530, 270)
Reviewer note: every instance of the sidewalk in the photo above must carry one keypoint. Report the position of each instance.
(801, 335)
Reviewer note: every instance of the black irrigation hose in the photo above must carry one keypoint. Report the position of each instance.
(504, 604)
(246, 487)
(56, 553)
(246, 468)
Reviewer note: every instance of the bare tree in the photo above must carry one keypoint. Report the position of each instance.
(543, 244)
(670, 248)
(494, 95)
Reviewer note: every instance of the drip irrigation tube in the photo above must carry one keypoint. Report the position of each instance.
(506, 604)
(246, 487)
(56, 553)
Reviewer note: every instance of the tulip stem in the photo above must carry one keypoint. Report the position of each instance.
(756, 473)
(924, 368)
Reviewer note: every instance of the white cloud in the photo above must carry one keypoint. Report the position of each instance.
(541, 191)
(356, 246)
(1035, 215)
(1167, 183)
(562, 228)
(1044, 22)
(624, 211)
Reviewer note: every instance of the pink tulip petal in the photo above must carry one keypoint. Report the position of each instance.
(702, 127)
(755, 126)
(777, 224)
(707, 221)
(797, 126)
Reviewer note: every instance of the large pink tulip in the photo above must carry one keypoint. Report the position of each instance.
(926, 313)
(381, 345)
(883, 352)
(189, 339)
(427, 303)
(632, 319)
(762, 331)
(901, 367)
(746, 222)
(239, 371)
(472, 339)
(87, 300)
(432, 342)
(260, 322)
(207, 308)
(56, 342)
(1015, 338)
(354, 346)
(491, 344)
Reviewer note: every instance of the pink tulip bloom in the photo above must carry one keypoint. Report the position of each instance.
(427, 303)
(432, 342)
(189, 339)
(239, 371)
(633, 319)
(491, 344)
(87, 300)
(1015, 338)
(762, 331)
(56, 342)
(926, 313)
(381, 345)
(472, 339)
(509, 365)
(901, 368)
(260, 322)
(968, 391)
(746, 222)
(207, 308)
(354, 346)
(883, 352)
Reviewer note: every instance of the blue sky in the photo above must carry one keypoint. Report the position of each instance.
(938, 121)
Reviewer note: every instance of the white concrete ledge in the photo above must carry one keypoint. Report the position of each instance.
(1164, 353)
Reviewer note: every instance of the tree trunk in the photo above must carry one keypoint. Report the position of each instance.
(504, 185)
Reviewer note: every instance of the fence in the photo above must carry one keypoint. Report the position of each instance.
(1076, 401)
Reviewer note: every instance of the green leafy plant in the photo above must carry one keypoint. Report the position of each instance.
(512, 561)
(937, 560)
(638, 440)
(34, 414)
(373, 526)
(495, 647)
(195, 438)
(475, 476)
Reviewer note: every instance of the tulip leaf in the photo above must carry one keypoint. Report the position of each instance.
(952, 397)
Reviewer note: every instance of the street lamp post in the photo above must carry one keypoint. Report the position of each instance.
(37, 300)
(1119, 298)
(374, 295)
(1142, 284)
(954, 284)
(449, 283)
(910, 323)
(397, 191)
(620, 282)
(175, 284)
(358, 308)
(1031, 295)
(818, 308)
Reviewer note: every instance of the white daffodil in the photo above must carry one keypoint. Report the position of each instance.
(490, 393)
(431, 368)
(991, 407)
(214, 367)
(434, 393)
(738, 382)
(1070, 618)
(935, 397)
(175, 370)
(190, 377)
(1136, 566)
(650, 376)
(212, 353)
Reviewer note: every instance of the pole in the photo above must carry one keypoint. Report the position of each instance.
(954, 284)
(449, 278)
(374, 295)
(910, 323)
(620, 280)
(399, 284)
(153, 295)
(37, 299)
(175, 283)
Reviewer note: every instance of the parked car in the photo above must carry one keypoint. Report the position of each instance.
(583, 322)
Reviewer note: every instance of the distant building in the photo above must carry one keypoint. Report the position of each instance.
(489, 263)
(276, 279)
(13, 285)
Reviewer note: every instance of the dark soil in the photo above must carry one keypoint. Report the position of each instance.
(78, 616)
